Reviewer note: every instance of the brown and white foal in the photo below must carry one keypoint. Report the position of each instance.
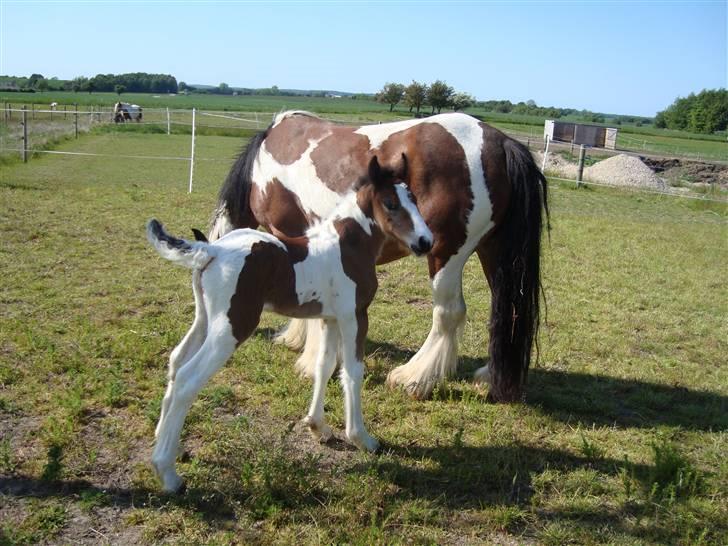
(328, 273)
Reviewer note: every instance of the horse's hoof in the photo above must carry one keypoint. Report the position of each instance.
(482, 376)
(320, 431)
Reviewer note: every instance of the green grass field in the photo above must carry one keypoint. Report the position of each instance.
(621, 440)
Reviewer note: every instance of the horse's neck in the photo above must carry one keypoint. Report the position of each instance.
(346, 223)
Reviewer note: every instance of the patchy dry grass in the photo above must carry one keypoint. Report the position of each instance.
(622, 439)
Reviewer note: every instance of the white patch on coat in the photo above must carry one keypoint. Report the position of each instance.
(379, 133)
(468, 133)
(300, 177)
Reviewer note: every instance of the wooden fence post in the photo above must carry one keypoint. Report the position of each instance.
(75, 107)
(580, 171)
(24, 122)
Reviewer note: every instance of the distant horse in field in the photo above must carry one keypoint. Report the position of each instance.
(329, 272)
(126, 112)
(478, 190)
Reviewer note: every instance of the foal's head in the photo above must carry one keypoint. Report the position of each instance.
(394, 209)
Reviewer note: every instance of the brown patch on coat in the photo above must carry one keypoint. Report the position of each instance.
(288, 140)
(358, 255)
(341, 158)
(439, 179)
(279, 209)
(267, 277)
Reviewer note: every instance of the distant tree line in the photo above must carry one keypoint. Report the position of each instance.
(437, 95)
(706, 112)
(135, 82)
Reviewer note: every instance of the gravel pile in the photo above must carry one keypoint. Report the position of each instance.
(557, 165)
(624, 170)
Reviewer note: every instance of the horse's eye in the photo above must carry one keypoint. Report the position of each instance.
(391, 205)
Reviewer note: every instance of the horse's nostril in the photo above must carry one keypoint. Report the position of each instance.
(425, 244)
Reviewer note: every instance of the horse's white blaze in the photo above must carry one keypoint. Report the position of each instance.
(420, 228)
(300, 178)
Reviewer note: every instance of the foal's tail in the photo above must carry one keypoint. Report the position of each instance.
(233, 208)
(195, 255)
(516, 287)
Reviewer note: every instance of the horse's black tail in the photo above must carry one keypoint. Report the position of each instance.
(516, 284)
(233, 209)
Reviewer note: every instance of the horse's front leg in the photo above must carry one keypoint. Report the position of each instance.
(325, 365)
(437, 358)
(353, 333)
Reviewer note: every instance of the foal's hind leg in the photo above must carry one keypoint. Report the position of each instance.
(191, 377)
(438, 356)
(189, 345)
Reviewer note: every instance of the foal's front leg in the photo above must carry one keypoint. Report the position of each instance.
(353, 333)
(325, 365)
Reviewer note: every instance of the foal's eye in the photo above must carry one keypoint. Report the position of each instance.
(391, 205)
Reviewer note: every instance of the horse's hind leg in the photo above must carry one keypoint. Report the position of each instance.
(191, 377)
(293, 335)
(189, 345)
(438, 356)
(306, 363)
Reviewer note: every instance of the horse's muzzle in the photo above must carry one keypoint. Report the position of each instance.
(423, 246)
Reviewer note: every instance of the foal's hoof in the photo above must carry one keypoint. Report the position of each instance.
(320, 431)
(365, 442)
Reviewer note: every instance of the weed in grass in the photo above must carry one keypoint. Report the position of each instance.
(54, 465)
(590, 449)
(92, 498)
(8, 464)
(672, 476)
(506, 518)
(44, 521)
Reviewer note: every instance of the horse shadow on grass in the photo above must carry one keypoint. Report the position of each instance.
(587, 399)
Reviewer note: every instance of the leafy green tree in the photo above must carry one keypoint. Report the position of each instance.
(34, 79)
(119, 89)
(439, 95)
(706, 112)
(461, 101)
(415, 95)
(391, 94)
(79, 84)
(42, 85)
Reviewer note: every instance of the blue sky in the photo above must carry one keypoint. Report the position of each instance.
(615, 57)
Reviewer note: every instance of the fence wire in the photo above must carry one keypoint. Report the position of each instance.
(47, 126)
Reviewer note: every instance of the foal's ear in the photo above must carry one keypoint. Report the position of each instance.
(375, 171)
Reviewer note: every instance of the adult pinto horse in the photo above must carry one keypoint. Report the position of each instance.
(478, 190)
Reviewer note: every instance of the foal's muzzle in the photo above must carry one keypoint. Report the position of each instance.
(422, 246)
